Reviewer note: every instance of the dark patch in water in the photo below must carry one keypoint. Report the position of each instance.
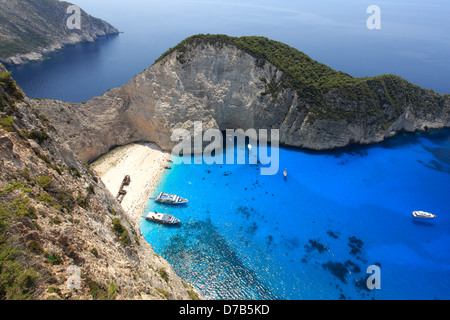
(269, 240)
(244, 211)
(442, 162)
(402, 140)
(201, 254)
(441, 154)
(440, 137)
(315, 245)
(353, 267)
(437, 166)
(353, 151)
(337, 269)
(422, 223)
(361, 285)
(345, 271)
(332, 234)
(252, 229)
(356, 246)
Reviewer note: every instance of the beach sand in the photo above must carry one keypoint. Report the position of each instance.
(143, 162)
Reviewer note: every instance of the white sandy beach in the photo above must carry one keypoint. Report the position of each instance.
(143, 162)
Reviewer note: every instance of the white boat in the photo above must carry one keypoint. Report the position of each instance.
(423, 214)
(162, 218)
(285, 172)
(170, 198)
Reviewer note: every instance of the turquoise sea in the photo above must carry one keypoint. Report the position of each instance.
(313, 234)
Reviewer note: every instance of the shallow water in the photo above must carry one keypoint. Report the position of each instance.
(314, 234)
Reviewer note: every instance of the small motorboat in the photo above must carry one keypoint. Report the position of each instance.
(169, 160)
(161, 218)
(167, 167)
(285, 173)
(170, 198)
(249, 146)
(423, 214)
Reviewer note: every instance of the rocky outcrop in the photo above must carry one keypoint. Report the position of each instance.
(227, 88)
(222, 89)
(30, 29)
(59, 225)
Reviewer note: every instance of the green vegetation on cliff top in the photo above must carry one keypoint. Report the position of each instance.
(315, 82)
(300, 70)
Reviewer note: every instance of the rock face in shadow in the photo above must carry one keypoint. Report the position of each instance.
(227, 88)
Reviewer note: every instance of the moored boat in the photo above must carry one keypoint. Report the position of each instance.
(170, 198)
(162, 218)
(423, 214)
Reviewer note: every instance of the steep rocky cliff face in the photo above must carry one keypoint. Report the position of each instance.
(59, 223)
(29, 29)
(228, 84)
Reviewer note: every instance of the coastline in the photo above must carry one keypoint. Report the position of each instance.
(143, 162)
(43, 53)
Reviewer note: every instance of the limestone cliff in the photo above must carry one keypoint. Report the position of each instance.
(57, 217)
(30, 29)
(248, 82)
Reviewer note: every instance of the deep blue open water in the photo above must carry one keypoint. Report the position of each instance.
(314, 234)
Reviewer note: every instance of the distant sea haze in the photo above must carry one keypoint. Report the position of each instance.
(413, 41)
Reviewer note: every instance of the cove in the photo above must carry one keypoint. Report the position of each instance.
(313, 234)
